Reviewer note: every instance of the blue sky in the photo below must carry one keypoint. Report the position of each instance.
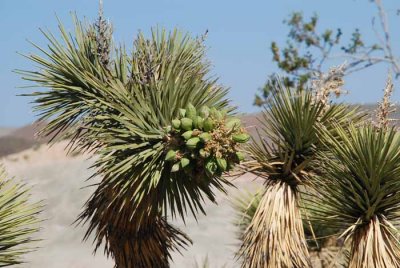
(240, 33)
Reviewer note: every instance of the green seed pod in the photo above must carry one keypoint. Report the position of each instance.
(205, 136)
(182, 113)
(184, 162)
(195, 122)
(191, 111)
(203, 153)
(198, 122)
(186, 123)
(176, 167)
(233, 123)
(240, 156)
(224, 113)
(218, 115)
(176, 123)
(211, 167)
(168, 129)
(213, 112)
(204, 112)
(170, 156)
(222, 164)
(208, 124)
(241, 138)
(192, 143)
(187, 135)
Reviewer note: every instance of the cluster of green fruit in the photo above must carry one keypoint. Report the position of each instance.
(204, 142)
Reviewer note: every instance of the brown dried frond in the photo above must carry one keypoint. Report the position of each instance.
(329, 83)
(275, 236)
(132, 240)
(148, 246)
(386, 107)
(375, 245)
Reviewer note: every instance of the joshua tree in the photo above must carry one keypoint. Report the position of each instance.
(18, 221)
(160, 127)
(284, 157)
(325, 249)
(360, 189)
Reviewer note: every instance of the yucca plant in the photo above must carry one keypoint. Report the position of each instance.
(284, 157)
(325, 249)
(360, 187)
(161, 128)
(18, 221)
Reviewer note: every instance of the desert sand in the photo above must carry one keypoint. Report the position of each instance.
(59, 180)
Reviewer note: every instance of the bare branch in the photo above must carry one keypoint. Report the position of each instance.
(388, 45)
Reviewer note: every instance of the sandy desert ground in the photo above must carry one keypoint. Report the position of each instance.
(58, 180)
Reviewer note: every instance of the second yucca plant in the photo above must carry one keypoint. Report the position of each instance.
(284, 156)
(360, 188)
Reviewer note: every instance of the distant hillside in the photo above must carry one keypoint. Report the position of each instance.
(5, 131)
(17, 140)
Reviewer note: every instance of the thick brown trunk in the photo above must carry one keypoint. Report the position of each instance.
(275, 237)
(132, 239)
(146, 246)
(375, 246)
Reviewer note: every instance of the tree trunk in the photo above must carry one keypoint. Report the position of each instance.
(145, 246)
(375, 245)
(275, 237)
(132, 239)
